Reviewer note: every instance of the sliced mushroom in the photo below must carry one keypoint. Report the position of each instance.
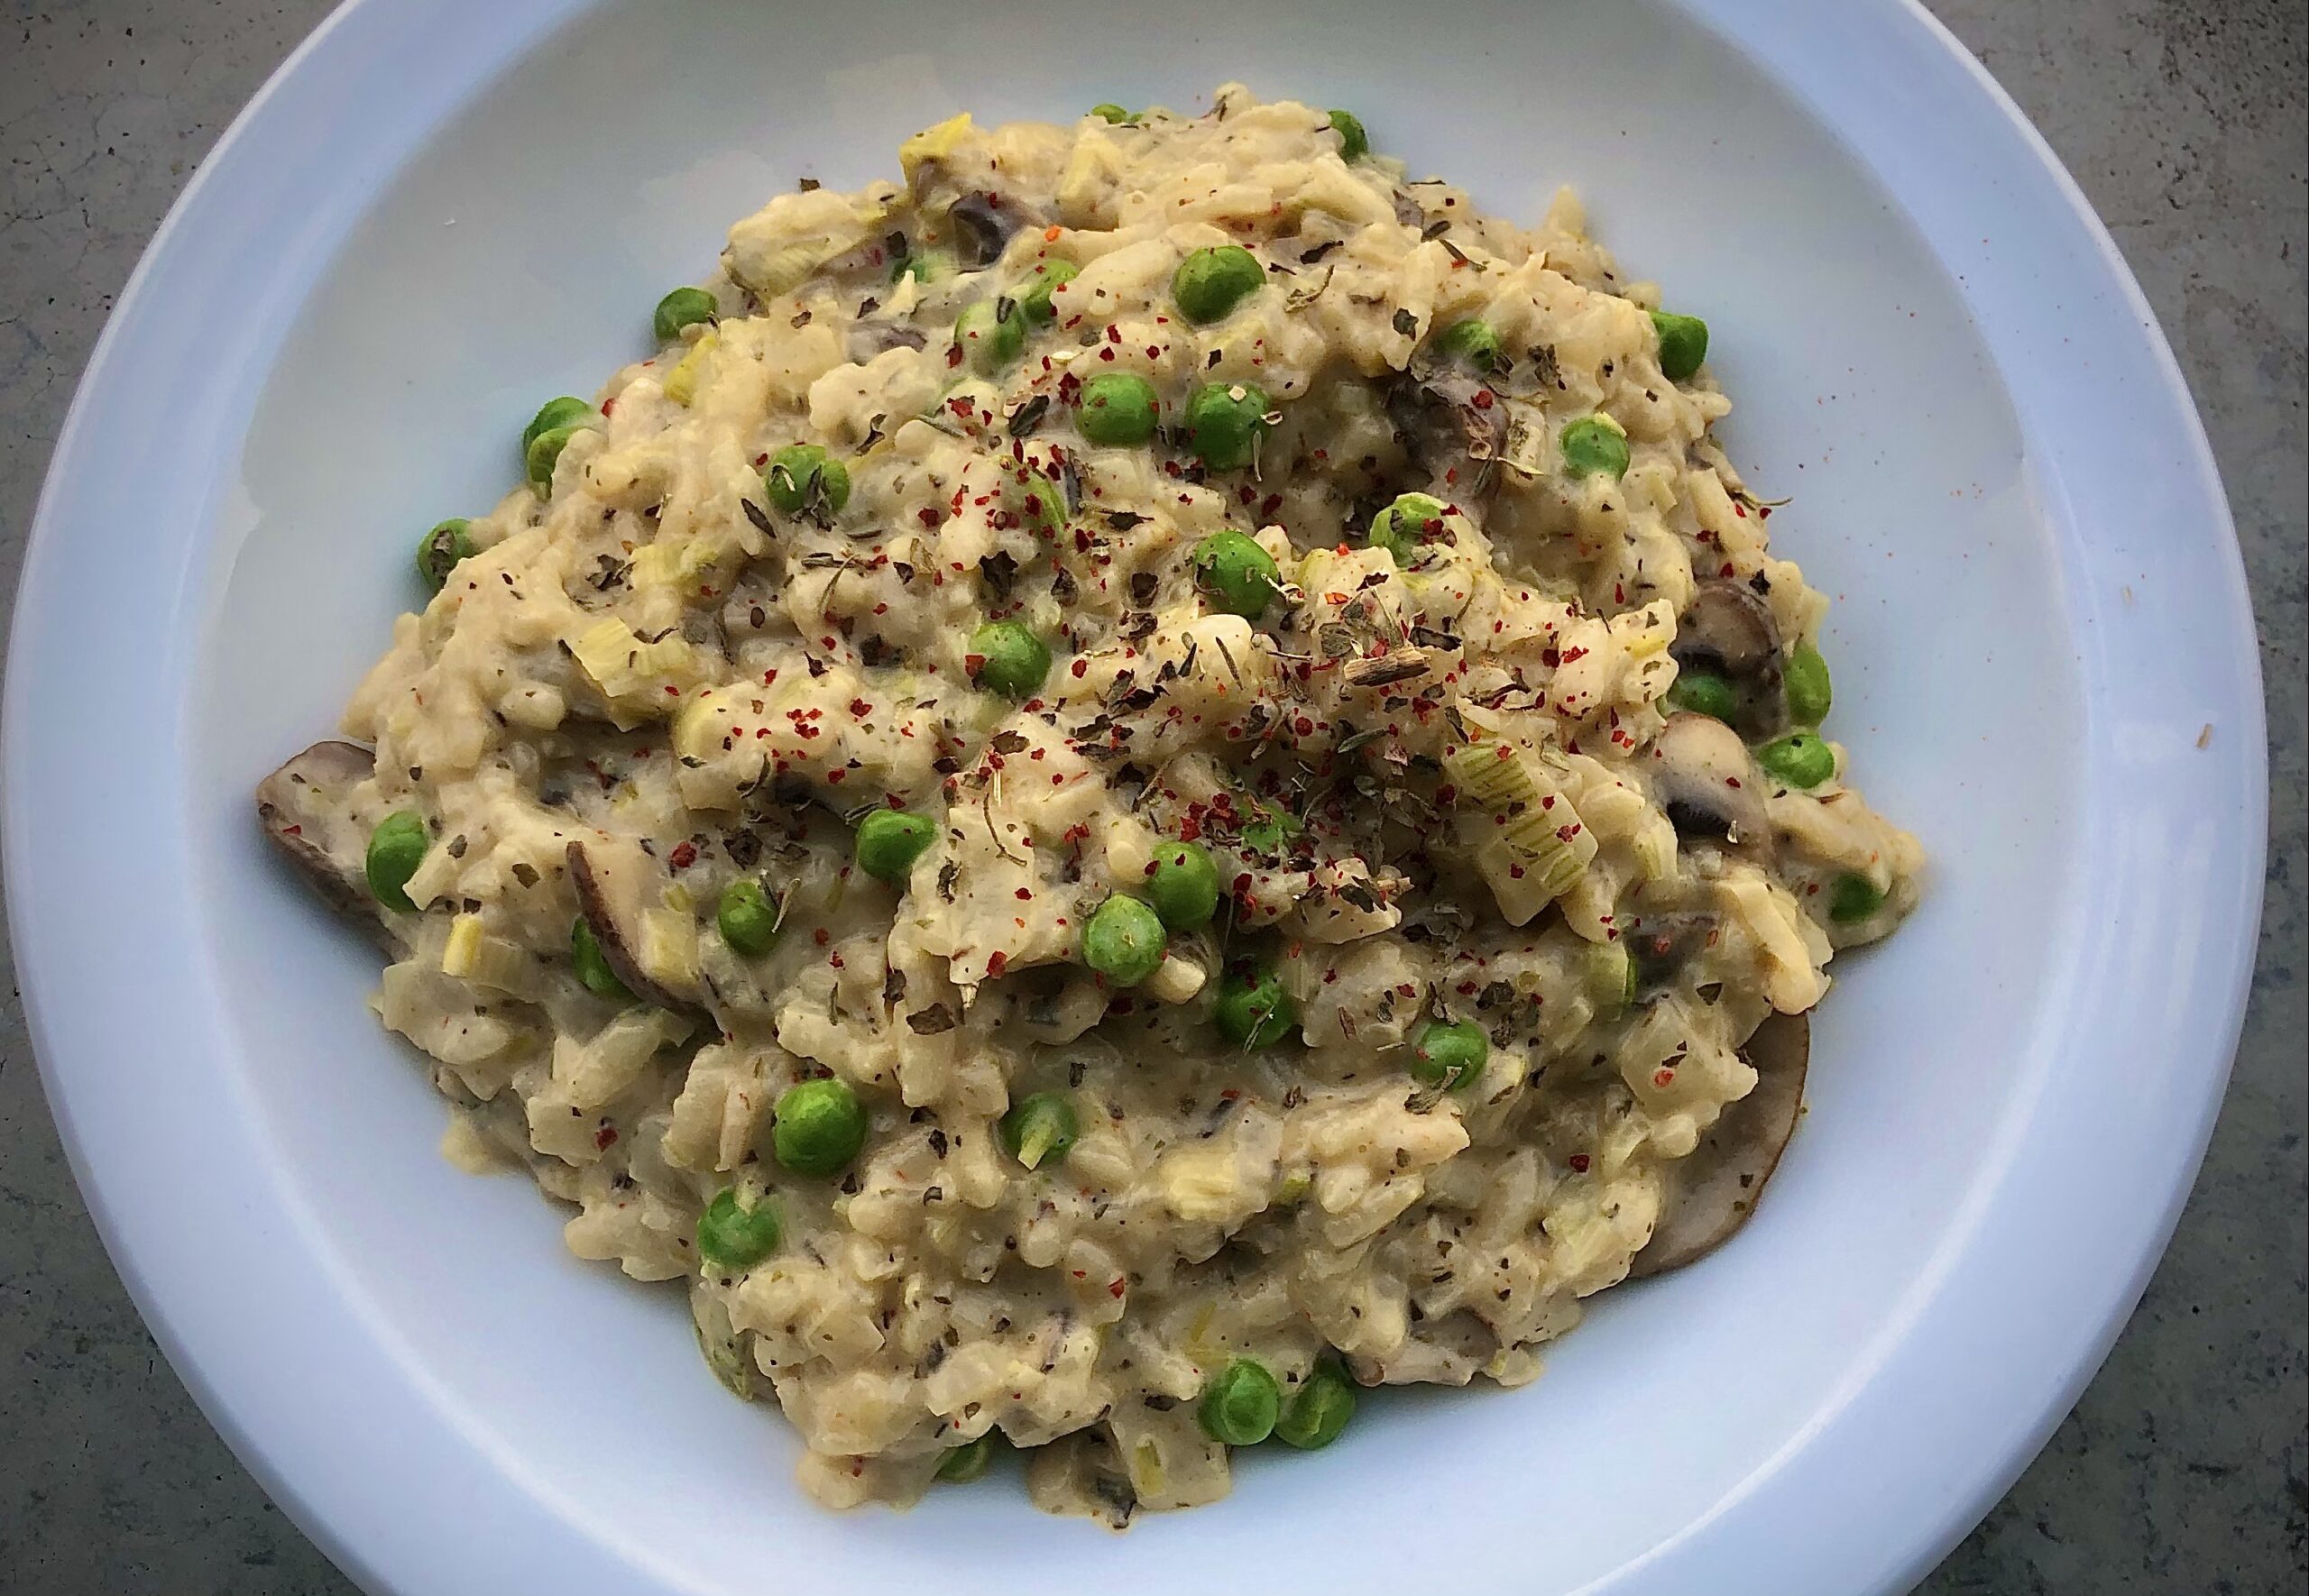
(1706, 782)
(613, 932)
(1663, 944)
(1728, 630)
(302, 808)
(1711, 1193)
(980, 229)
(870, 338)
(1451, 439)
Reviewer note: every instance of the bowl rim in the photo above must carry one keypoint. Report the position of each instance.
(1993, 1425)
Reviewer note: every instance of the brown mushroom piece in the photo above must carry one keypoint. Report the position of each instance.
(1663, 944)
(1708, 783)
(870, 338)
(1711, 1193)
(979, 229)
(612, 934)
(302, 808)
(1453, 442)
(1728, 630)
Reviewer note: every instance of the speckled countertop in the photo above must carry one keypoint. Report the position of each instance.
(2184, 1469)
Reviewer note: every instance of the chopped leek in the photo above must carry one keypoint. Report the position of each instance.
(681, 383)
(1540, 847)
(623, 666)
(934, 143)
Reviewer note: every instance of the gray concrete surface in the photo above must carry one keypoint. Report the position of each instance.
(2183, 1469)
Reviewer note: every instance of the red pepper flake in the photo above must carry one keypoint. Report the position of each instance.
(996, 963)
(1483, 398)
(819, 937)
(606, 1138)
(684, 856)
(1115, 1288)
(1663, 1076)
(1578, 1163)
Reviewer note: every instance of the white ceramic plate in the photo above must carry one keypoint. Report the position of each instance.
(439, 212)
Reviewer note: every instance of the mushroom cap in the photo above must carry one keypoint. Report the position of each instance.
(1712, 1192)
(1662, 942)
(1708, 783)
(980, 229)
(1728, 630)
(612, 932)
(303, 809)
(1452, 440)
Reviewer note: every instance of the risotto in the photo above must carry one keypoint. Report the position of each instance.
(1136, 783)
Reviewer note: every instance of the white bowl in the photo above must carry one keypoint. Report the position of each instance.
(437, 213)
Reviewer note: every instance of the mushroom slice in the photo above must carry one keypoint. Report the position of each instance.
(302, 807)
(980, 229)
(1706, 782)
(615, 928)
(870, 338)
(1449, 437)
(1661, 944)
(1712, 1192)
(1728, 632)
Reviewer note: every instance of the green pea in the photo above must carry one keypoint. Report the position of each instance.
(1318, 1411)
(1184, 885)
(818, 1128)
(735, 1233)
(1225, 421)
(1271, 830)
(396, 847)
(1110, 111)
(963, 1464)
(1449, 1054)
(681, 308)
(1011, 660)
(1473, 342)
(1235, 575)
(1253, 1009)
(1404, 525)
(1039, 1129)
(1800, 759)
(747, 918)
(564, 411)
(1703, 694)
(545, 453)
(1810, 691)
(1354, 143)
(1046, 280)
(1122, 941)
(991, 333)
(1240, 1404)
(593, 969)
(1035, 501)
(441, 550)
(890, 840)
(802, 476)
(1683, 344)
(1594, 445)
(1212, 281)
(926, 266)
(1118, 407)
(1853, 897)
